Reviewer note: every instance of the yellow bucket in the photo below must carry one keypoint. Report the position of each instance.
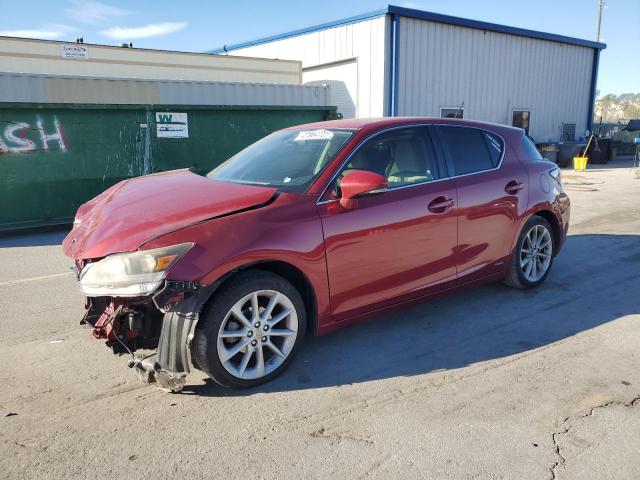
(580, 163)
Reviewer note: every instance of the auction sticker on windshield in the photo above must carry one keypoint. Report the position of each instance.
(321, 134)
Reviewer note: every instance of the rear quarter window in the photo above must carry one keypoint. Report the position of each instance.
(495, 147)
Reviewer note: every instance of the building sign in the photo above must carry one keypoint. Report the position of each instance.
(172, 125)
(74, 51)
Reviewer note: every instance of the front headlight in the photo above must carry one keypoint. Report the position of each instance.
(130, 274)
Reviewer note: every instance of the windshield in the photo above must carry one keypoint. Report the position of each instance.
(288, 159)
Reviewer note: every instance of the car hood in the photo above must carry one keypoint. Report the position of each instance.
(133, 211)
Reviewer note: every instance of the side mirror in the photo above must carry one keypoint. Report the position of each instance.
(359, 183)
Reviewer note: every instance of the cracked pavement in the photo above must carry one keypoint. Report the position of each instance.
(610, 432)
(489, 383)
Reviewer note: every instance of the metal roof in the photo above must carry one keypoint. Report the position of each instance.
(422, 15)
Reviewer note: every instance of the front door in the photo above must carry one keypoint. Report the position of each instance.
(397, 244)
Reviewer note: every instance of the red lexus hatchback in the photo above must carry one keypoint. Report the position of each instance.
(312, 228)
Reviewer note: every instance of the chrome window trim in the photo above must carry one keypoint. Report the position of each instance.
(390, 129)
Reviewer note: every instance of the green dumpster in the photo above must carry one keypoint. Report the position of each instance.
(54, 157)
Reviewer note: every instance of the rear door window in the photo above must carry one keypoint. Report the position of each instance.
(471, 150)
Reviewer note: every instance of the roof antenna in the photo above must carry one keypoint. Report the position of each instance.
(459, 110)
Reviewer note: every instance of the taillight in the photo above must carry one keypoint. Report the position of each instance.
(556, 174)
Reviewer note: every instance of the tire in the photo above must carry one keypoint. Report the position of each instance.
(222, 331)
(518, 277)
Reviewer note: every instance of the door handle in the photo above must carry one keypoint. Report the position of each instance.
(441, 204)
(513, 187)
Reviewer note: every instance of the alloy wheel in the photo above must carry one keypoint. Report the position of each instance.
(257, 334)
(535, 253)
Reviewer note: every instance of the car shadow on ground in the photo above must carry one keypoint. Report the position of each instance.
(595, 280)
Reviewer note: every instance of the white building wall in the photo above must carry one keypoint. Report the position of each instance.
(442, 65)
(330, 55)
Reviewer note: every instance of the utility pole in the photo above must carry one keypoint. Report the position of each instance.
(601, 6)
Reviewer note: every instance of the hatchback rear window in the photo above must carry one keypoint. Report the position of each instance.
(530, 149)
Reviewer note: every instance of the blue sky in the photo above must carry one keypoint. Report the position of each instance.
(204, 25)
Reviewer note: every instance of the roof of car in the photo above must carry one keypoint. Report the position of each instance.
(373, 124)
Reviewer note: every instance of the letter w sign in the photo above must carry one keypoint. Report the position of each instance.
(172, 125)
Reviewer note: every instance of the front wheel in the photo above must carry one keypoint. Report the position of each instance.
(251, 330)
(533, 255)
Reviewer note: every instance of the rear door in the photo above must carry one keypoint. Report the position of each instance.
(492, 187)
(397, 244)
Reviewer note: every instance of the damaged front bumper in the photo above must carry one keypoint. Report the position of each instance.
(164, 321)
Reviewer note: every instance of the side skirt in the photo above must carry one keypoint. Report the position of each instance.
(347, 322)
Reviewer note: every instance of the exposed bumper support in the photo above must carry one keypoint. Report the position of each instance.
(173, 362)
(149, 371)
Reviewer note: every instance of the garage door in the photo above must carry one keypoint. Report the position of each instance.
(342, 77)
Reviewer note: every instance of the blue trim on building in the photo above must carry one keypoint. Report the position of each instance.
(592, 93)
(302, 31)
(395, 65)
(422, 15)
(493, 27)
(388, 64)
(392, 65)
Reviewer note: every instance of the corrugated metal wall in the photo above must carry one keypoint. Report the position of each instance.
(57, 89)
(363, 41)
(18, 55)
(441, 65)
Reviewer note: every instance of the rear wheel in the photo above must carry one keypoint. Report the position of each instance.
(533, 256)
(251, 330)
